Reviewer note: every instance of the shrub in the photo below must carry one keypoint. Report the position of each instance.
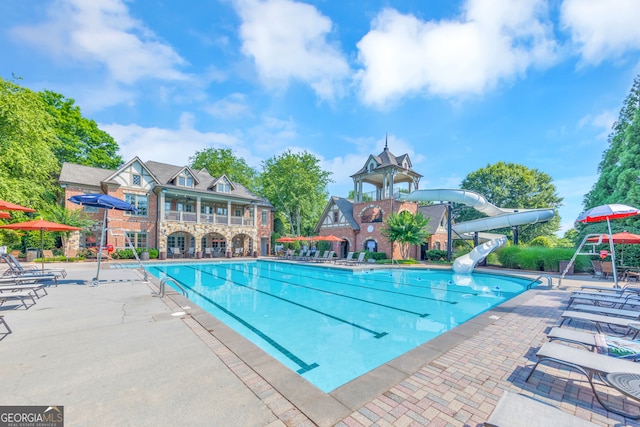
(543, 241)
(540, 258)
(375, 255)
(436, 255)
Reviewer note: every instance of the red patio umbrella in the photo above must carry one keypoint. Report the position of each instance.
(624, 238)
(609, 212)
(42, 225)
(330, 238)
(286, 239)
(4, 215)
(7, 206)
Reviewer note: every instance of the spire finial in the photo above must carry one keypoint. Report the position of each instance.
(385, 142)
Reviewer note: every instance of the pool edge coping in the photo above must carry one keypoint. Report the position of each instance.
(327, 409)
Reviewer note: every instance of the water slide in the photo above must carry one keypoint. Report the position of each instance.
(497, 218)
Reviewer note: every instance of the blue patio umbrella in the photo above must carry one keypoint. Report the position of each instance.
(106, 202)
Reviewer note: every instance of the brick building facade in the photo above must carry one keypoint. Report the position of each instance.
(179, 210)
(360, 221)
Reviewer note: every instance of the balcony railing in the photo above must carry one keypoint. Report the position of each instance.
(182, 216)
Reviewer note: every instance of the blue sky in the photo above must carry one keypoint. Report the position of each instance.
(457, 85)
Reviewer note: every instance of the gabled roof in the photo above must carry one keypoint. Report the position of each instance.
(189, 171)
(435, 214)
(221, 178)
(72, 173)
(126, 165)
(345, 206)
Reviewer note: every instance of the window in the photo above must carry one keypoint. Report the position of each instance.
(189, 182)
(221, 211)
(224, 187)
(181, 181)
(138, 239)
(237, 212)
(185, 180)
(90, 209)
(137, 180)
(265, 217)
(167, 206)
(140, 202)
(336, 216)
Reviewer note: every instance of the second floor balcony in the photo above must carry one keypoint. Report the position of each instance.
(192, 217)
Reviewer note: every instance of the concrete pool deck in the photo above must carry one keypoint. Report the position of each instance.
(115, 355)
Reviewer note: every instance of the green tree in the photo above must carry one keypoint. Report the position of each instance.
(514, 186)
(296, 186)
(78, 139)
(405, 229)
(28, 167)
(222, 161)
(74, 217)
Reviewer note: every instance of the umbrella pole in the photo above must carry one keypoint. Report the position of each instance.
(96, 280)
(613, 255)
(42, 249)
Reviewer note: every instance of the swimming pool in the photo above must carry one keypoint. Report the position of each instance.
(332, 325)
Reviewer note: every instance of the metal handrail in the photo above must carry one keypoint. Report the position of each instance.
(542, 276)
(163, 283)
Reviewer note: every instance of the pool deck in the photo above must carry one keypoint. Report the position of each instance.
(116, 354)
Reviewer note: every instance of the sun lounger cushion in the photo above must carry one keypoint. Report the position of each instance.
(516, 410)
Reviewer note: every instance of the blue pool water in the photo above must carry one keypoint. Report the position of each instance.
(332, 325)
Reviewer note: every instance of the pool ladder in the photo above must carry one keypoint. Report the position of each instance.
(163, 284)
(542, 276)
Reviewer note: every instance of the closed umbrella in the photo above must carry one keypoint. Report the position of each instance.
(608, 212)
(105, 202)
(41, 225)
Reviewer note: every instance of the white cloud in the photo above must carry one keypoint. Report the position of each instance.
(288, 40)
(103, 32)
(603, 120)
(172, 146)
(493, 41)
(234, 105)
(602, 29)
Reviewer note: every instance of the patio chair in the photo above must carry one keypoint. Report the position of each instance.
(610, 311)
(611, 290)
(208, 252)
(4, 323)
(175, 252)
(591, 365)
(48, 254)
(23, 296)
(605, 299)
(607, 269)
(605, 344)
(324, 257)
(191, 253)
(597, 268)
(347, 259)
(12, 286)
(16, 269)
(516, 410)
(600, 320)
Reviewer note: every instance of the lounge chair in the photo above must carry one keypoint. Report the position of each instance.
(360, 259)
(16, 269)
(191, 253)
(327, 258)
(30, 287)
(175, 252)
(605, 299)
(347, 259)
(4, 323)
(516, 410)
(48, 254)
(609, 289)
(598, 320)
(23, 296)
(605, 344)
(323, 258)
(208, 253)
(609, 311)
(597, 269)
(591, 365)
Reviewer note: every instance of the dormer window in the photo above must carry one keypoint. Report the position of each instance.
(224, 187)
(184, 180)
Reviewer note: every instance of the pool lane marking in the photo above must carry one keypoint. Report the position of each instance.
(366, 287)
(375, 279)
(304, 367)
(375, 334)
(391, 307)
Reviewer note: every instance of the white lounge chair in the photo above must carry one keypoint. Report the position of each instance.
(599, 320)
(516, 410)
(23, 296)
(613, 346)
(31, 287)
(610, 311)
(16, 269)
(6, 325)
(591, 365)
